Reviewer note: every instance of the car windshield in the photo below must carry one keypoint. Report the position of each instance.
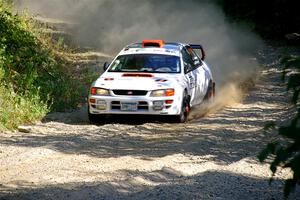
(153, 63)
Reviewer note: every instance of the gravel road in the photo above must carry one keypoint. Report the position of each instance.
(213, 157)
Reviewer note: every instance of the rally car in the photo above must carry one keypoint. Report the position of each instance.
(152, 78)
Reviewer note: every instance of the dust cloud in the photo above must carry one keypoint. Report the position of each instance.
(110, 25)
(228, 94)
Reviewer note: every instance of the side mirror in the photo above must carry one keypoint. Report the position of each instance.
(185, 70)
(105, 66)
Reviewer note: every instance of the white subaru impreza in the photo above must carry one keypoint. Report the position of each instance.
(152, 78)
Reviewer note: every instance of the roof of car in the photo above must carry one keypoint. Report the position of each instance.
(166, 48)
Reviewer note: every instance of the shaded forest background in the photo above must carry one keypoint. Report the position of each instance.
(271, 18)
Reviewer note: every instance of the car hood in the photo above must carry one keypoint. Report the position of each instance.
(136, 81)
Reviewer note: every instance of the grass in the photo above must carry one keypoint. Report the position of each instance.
(18, 109)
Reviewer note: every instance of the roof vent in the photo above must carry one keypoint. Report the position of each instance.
(153, 43)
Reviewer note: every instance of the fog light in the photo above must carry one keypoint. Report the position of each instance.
(101, 105)
(158, 105)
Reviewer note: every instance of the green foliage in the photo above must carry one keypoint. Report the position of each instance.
(31, 72)
(286, 152)
(17, 109)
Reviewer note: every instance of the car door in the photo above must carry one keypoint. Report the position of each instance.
(190, 75)
(203, 76)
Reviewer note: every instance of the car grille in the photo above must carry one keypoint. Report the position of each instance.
(142, 105)
(130, 92)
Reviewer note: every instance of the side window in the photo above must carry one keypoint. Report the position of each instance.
(195, 57)
(187, 61)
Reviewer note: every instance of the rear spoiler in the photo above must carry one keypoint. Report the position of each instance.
(199, 47)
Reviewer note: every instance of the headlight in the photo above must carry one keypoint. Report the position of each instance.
(163, 93)
(99, 91)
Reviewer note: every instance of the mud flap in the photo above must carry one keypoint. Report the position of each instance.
(187, 104)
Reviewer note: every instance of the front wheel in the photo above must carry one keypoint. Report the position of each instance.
(184, 112)
(92, 118)
(95, 119)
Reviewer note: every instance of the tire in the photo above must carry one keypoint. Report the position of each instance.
(95, 118)
(214, 89)
(92, 118)
(185, 109)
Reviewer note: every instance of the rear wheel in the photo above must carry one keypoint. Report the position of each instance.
(211, 92)
(184, 112)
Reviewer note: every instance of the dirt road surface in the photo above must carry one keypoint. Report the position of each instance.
(213, 157)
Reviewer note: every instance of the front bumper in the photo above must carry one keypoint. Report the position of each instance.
(144, 105)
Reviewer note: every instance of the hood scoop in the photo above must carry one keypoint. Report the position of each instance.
(144, 75)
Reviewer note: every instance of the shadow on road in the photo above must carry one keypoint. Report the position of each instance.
(205, 185)
(80, 117)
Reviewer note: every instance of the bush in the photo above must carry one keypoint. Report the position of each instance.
(17, 109)
(34, 78)
(286, 150)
